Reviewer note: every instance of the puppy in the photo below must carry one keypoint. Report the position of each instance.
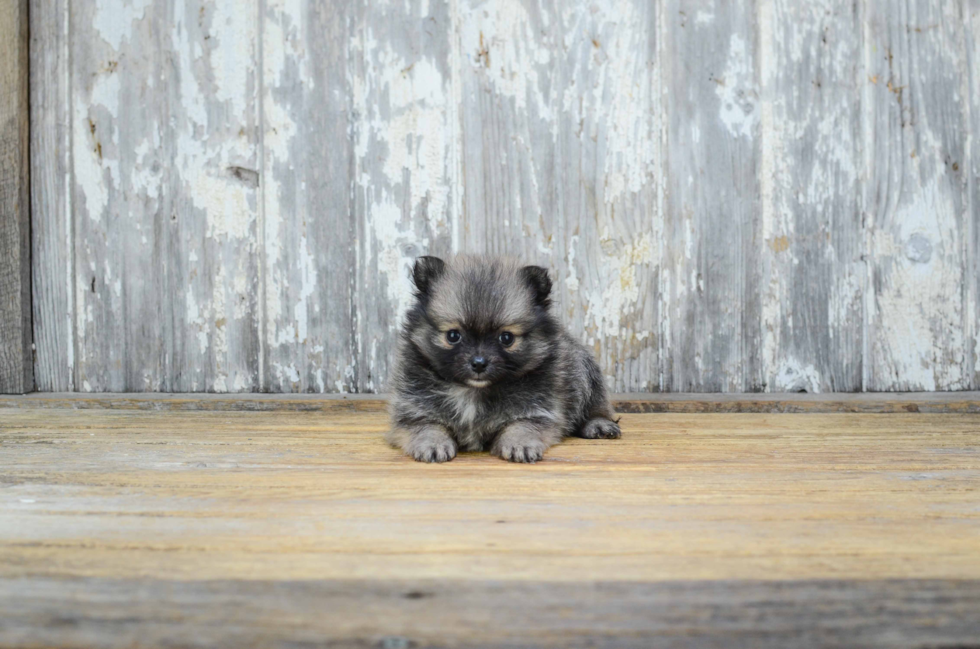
(482, 364)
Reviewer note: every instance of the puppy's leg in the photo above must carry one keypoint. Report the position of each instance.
(593, 404)
(525, 440)
(430, 443)
(600, 428)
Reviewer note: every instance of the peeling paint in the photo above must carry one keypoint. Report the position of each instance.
(384, 220)
(406, 157)
(233, 22)
(113, 20)
(608, 304)
(221, 180)
(704, 17)
(907, 336)
(793, 376)
(736, 90)
(811, 328)
(416, 133)
(502, 44)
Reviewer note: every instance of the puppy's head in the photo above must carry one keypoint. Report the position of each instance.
(481, 321)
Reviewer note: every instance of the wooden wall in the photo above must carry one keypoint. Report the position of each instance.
(16, 359)
(769, 195)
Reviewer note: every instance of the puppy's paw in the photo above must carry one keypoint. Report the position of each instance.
(528, 451)
(436, 452)
(522, 443)
(431, 445)
(601, 428)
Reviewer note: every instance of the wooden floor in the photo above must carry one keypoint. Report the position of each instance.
(164, 527)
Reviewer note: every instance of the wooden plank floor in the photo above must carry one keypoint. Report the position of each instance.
(221, 528)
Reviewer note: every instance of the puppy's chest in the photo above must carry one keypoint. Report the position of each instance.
(472, 418)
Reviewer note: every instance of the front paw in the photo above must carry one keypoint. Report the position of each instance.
(523, 442)
(601, 428)
(527, 451)
(431, 446)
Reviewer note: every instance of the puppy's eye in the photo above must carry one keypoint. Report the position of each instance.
(506, 339)
(453, 336)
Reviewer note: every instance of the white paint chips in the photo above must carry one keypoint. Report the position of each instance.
(113, 20)
(737, 91)
(405, 158)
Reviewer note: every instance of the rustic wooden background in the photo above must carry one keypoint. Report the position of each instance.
(16, 366)
(733, 196)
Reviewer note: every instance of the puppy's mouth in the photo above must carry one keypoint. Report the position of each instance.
(477, 383)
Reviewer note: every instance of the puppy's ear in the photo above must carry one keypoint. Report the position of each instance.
(539, 281)
(425, 272)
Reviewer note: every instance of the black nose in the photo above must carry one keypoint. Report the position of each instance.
(478, 363)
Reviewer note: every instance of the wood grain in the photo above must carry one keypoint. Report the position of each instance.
(917, 202)
(16, 336)
(880, 403)
(309, 227)
(225, 495)
(487, 614)
(406, 182)
(122, 524)
(52, 231)
(713, 321)
(165, 158)
(812, 237)
(971, 21)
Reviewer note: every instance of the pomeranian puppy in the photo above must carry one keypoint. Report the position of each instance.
(483, 364)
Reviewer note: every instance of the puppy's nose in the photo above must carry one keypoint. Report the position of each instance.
(478, 363)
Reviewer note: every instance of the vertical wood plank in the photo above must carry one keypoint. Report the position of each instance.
(16, 362)
(308, 245)
(971, 9)
(216, 292)
(714, 231)
(165, 159)
(51, 217)
(814, 275)
(609, 112)
(405, 164)
(917, 202)
(509, 81)
(561, 130)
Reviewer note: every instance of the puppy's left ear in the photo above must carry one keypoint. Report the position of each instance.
(540, 282)
(425, 272)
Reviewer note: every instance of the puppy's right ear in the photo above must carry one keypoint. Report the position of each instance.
(540, 282)
(425, 272)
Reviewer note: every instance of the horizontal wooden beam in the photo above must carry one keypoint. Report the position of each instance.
(16, 363)
(925, 402)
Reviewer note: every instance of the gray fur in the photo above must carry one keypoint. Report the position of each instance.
(542, 387)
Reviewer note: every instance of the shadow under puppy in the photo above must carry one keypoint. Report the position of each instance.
(482, 364)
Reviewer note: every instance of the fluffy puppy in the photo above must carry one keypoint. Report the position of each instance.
(482, 364)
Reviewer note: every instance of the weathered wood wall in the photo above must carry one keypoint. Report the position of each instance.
(760, 196)
(16, 362)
